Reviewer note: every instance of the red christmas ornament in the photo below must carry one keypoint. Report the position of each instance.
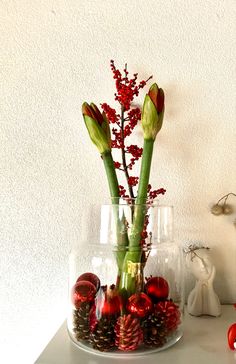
(232, 337)
(157, 288)
(90, 277)
(107, 302)
(170, 314)
(83, 291)
(139, 304)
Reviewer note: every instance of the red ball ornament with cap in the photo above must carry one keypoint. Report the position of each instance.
(83, 291)
(108, 301)
(139, 304)
(232, 337)
(157, 289)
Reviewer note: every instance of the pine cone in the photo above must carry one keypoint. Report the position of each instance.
(154, 331)
(161, 323)
(169, 314)
(103, 335)
(129, 334)
(81, 321)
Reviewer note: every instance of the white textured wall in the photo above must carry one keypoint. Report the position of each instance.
(54, 55)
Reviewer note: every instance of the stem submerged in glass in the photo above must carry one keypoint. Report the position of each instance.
(134, 255)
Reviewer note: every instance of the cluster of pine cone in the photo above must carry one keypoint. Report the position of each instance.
(126, 332)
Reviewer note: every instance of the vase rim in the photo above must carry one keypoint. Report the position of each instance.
(115, 247)
(132, 202)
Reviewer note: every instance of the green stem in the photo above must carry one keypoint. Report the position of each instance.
(122, 237)
(111, 176)
(140, 211)
(128, 282)
(145, 171)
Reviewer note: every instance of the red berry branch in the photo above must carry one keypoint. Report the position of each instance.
(123, 125)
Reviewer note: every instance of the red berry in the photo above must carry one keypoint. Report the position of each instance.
(139, 304)
(83, 291)
(90, 277)
(157, 288)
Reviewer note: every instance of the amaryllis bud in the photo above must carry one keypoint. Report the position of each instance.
(153, 112)
(97, 126)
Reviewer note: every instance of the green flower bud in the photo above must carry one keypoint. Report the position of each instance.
(97, 126)
(153, 112)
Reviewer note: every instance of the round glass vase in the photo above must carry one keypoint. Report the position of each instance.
(126, 287)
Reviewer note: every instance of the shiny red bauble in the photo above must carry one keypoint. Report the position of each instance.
(90, 277)
(108, 301)
(139, 304)
(111, 307)
(157, 288)
(83, 291)
(232, 337)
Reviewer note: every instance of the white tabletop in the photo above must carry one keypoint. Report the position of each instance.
(204, 342)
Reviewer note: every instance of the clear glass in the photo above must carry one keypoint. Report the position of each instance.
(126, 284)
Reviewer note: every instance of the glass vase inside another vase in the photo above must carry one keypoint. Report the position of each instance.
(126, 286)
